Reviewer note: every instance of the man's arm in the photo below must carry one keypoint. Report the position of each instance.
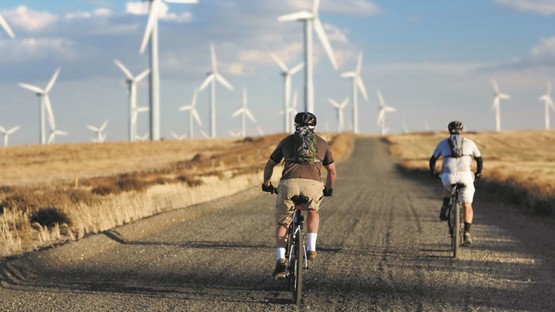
(479, 166)
(330, 178)
(268, 171)
(433, 171)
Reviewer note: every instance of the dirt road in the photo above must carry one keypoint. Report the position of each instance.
(382, 248)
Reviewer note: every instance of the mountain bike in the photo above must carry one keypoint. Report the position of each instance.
(295, 252)
(455, 222)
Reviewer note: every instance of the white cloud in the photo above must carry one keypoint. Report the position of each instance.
(32, 49)
(142, 8)
(23, 17)
(100, 12)
(544, 7)
(540, 56)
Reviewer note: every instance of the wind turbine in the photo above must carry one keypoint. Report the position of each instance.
(383, 109)
(214, 76)
(53, 133)
(358, 85)
(132, 82)
(6, 27)
(234, 134)
(497, 104)
(98, 130)
(244, 111)
(134, 117)
(151, 34)
(546, 98)
(178, 137)
(192, 113)
(286, 73)
(7, 133)
(339, 108)
(44, 104)
(311, 22)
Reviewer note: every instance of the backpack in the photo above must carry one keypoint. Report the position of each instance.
(306, 151)
(456, 145)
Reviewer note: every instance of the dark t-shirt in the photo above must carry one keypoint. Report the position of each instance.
(291, 170)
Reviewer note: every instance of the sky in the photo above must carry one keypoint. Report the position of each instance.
(432, 60)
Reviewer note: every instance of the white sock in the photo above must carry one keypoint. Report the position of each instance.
(311, 241)
(280, 253)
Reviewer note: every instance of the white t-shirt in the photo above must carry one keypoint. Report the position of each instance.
(459, 164)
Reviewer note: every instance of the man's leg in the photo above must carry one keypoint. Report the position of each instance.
(468, 216)
(312, 225)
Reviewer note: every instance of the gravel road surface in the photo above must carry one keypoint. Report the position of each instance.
(382, 248)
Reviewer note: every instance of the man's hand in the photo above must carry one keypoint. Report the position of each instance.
(477, 176)
(434, 174)
(328, 192)
(268, 188)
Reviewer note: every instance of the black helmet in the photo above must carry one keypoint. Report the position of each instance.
(455, 127)
(305, 119)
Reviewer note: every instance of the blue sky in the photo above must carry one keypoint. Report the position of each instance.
(432, 60)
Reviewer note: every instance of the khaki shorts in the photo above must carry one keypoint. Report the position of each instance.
(291, 187)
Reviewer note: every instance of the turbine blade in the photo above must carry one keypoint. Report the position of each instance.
(32, 88)
(51, 137)
(2, 130)
(380, 97)
(123, 69)
(495, 86)
(302, 15)
(390, 109)
(213, 58)
(103, 125)
(250, 115)
(14, 129)
(185, 108)
(141, 75)
(194, 101)
(92, 128)
(222, 80)
(152, 20)
(197, 117)
(349, 75)
(359, 63)
(325, 42)
(6, 27)
(50, 114)
(296, 69)
(279, 62)
(333, 103)
(361, 87)
(381, 116)
(344, 103)
(237, 112)
(52, 81)
(315, 6)
(206, 81)
(504, 96)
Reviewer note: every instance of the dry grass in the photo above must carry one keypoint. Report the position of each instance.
(50, 194)
(520, 166)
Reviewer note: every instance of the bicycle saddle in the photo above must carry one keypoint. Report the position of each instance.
(299, 199)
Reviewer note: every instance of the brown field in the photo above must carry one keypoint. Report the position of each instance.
(54, 193)
(519, 165)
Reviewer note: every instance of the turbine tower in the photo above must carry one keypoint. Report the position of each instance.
(286, 73)
(192, 113)
(339, 108)
(132, 82)
(151, 34)
(546, 98)
(381, 115)
(311, 22)
(44, 104)
(100, 137)
(497, 104)
(358, 85)
(244, 112)
(214, 76)
(7, 133)
(6, 27)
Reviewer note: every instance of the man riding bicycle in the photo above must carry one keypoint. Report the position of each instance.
(457, 153)
(300, 176)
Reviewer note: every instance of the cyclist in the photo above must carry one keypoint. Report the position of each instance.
(457, 153)
(299, 179)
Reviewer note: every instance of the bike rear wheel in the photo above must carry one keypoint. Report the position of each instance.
(456, 235)
(298, 269)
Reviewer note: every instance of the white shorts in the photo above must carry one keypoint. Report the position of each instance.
(466, 195)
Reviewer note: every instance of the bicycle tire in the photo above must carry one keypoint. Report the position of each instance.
(298, 269)
(456, 238)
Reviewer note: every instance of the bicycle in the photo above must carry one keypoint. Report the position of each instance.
(295, 252)
(455, 221)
